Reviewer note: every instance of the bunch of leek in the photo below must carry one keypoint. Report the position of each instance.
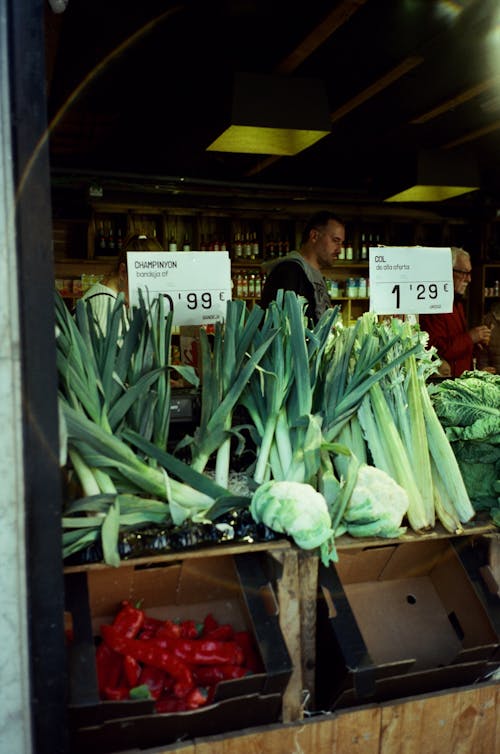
(110, 385)
(226, 366)
(279, 396)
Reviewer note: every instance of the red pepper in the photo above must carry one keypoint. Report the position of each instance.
(245, 640)
(209, 623)
(190, 629)
(129, 620)
(202, 651)
(168, 630)
(207, 652)
(116, 694)
(150, 627)
(209, 675)
(132, 670)
(197, 697)
(150, 652)
(224, 632)
(170, 704)
(154, 679)
(109, 666)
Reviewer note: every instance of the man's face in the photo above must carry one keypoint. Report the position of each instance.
(327, 242)
(461, 274)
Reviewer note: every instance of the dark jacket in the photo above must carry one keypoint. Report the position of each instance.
(293, 273)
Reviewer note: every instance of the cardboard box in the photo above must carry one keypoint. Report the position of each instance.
(397, 620)
(235, 589)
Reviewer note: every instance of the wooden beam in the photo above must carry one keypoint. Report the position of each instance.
(459, 99)
(333, 21)
(473, 135)
(379, 85)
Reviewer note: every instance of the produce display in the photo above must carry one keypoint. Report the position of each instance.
(339, 427)
(179, 664)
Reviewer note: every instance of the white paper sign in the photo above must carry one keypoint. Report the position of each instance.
(195, 285)
(410, 280)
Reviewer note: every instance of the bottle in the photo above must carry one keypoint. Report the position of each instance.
(119, 239)
(342, 252)
(247, 247)
(203, 243)
(258, 286)
(111, 239)
(255, 246)
(244, 285)
(239, 285)
(186, 246)
(349, 253)
(251, 285)
(364, 248)
(102, 238)
(172, 244)
(496, 289)
(238, 248)
(270, 247)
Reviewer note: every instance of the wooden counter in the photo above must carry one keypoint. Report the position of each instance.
(462, 721)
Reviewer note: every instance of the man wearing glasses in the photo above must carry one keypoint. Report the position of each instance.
(456, 344)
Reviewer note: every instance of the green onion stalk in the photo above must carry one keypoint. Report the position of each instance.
(226, 366)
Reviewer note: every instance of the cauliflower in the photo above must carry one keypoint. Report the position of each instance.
(295, 509)
(377, 505)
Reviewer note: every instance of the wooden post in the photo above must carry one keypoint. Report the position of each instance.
(288, 590)
(308, 577)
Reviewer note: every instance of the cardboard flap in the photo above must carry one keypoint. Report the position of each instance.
(256, 590)
(342, 618)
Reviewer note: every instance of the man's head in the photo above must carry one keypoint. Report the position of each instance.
(462, 269)
(322, 239)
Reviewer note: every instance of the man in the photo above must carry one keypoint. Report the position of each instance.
(456, 344)
(300, 271)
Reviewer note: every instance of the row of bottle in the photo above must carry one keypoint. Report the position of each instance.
(351, 254)
(109, 239)
(353, 288)
(248, 284)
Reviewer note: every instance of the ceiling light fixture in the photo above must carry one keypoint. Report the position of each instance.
(277, 115)
(436, 175)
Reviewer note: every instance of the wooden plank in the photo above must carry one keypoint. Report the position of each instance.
(328, 26)
(202, 552)
(458, 721)
(439, 532)
(308, 578)
(459, 99)
(288, 590)
(447, 723)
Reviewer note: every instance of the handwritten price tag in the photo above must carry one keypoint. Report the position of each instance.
(196, 286)
(410, 280)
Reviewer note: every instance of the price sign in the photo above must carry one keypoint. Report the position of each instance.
(410, 280)
(195, 286)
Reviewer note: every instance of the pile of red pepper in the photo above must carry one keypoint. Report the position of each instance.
(178, 664)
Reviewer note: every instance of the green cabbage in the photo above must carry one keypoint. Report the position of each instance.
(468, 407)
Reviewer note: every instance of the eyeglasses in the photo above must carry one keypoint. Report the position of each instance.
(463, 273)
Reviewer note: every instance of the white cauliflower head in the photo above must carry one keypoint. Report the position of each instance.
(377, 505)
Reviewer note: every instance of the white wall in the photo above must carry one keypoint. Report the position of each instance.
(15, 715)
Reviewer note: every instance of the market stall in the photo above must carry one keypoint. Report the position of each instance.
(363, 573)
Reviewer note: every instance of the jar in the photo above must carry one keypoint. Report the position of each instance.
(352, 288)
